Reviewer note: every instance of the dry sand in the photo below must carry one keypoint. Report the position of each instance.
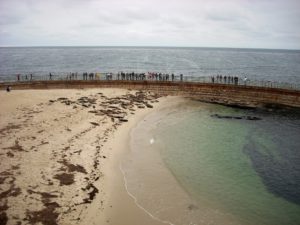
(60, 152)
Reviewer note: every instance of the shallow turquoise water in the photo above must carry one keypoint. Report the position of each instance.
(249, 169)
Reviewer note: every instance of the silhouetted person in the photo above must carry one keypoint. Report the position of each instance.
(245, 80)
(236, 80)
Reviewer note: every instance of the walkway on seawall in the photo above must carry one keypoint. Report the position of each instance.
(227, 94)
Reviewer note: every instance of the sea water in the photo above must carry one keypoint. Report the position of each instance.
(258, 64)
(188, 166)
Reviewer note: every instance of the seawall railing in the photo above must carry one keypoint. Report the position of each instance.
(228, 80)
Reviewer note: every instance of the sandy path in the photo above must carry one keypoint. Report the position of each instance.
(53, 147)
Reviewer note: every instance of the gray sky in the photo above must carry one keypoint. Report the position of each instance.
(203, 23)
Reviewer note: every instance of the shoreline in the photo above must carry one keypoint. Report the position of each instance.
(123, 208)
(60, 154)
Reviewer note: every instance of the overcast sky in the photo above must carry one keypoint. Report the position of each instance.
(201, 23)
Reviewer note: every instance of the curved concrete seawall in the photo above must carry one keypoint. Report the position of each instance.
(228, 94)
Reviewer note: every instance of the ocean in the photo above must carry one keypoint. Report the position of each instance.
(256, 64)
(188, 166)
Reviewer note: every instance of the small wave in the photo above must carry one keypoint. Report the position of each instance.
(141, 207)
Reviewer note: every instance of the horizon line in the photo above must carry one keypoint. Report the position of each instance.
(142, 46)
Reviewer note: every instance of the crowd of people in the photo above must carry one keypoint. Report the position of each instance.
(24, 77)
(127, 76)
(118, 76)
(153, 76)
(148, 76)
(225, 79)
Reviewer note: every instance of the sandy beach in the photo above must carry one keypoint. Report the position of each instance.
(60, 155)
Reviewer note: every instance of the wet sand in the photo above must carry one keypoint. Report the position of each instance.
(60, 154)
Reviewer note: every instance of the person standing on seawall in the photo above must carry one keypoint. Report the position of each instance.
(245, 80)
(236, 80)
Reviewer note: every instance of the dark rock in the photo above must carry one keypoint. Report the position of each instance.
(92, 193)
(46, 216)
(65, 178)
(3, 218)
(236, 117)
(61, 99)
(149, 106)
(252, 118)
(9, 154)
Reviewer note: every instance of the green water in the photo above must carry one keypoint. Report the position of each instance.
(219, 161)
